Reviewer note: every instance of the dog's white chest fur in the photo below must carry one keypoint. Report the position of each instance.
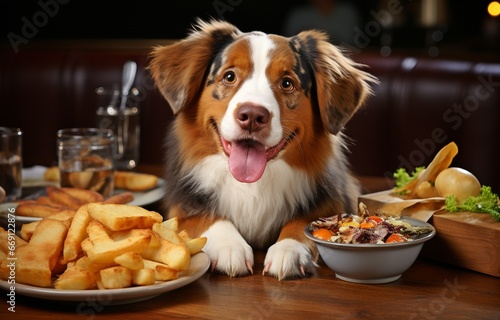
(259, 209)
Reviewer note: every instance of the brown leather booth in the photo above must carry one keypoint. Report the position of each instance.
(421, 104)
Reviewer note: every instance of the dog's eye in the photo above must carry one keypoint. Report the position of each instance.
(287, 85)
(229, 77)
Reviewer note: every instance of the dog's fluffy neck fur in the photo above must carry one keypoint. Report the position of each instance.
(259, 209)
(272, 198)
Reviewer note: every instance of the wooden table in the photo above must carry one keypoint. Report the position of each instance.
(428, 290)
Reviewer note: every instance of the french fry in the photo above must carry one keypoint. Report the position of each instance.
(172, 223)
(97, 233)
(76, 233)
(130, 260)
(162, 271)
(27, 229)
(124, 234)
(45, 200)
(65, 199)
(52, 174)
(106, 252)
(37, 259)
(116, 277)
(184, 235)
(176, 256)
(4, 266)
(133, 181)
(81, 179)
(166, 233)
(75, 279)
(196, 245)
(31, 209)
(120, 198)
(84, 263)
(143, 277)
(122, 217)
(6, 239)
(85, 196)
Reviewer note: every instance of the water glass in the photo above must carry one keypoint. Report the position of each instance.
(11, 163)
(123, 122)
(86, 159)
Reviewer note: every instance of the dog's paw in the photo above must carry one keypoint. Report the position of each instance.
(229, 253)
(288, 258)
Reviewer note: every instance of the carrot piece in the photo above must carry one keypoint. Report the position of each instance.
(322, 233)
(377, 219)
(395, 237)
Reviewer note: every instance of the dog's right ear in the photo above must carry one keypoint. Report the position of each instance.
(179, 69)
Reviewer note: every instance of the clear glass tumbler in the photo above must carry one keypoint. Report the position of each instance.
(11, 162)
(87, 159)
(123, 122)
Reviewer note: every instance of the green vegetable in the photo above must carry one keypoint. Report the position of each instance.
(485, 202)
(402, 177)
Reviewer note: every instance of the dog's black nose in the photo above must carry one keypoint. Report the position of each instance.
(252, 117)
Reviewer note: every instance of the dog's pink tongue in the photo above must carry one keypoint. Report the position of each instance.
(247, 161)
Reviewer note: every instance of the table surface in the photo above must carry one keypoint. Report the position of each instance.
(428, 290)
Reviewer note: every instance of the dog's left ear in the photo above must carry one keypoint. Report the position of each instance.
(341, 87)
(179, 69)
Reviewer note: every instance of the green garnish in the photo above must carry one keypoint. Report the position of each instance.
(402, 177)
(485, 202)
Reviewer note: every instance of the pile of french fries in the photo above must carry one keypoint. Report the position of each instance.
(65, 200)
(101, 246)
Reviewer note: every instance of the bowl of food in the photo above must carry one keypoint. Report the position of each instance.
(369, 249)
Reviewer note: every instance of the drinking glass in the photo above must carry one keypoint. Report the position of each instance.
(86, 159)
(123, 122)
(11, 162)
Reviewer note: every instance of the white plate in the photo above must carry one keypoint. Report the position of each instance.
(199, 265)
(34, 177)
(9, 207)
(140, 199)
(147, 197)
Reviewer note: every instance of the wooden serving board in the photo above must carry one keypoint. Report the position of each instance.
(465, 239)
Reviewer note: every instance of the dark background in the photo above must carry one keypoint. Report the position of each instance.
(464, 29)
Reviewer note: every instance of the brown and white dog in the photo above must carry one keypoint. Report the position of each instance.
(256, 151)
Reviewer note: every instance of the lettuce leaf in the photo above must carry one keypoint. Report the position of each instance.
(402, 177)
(485, 202)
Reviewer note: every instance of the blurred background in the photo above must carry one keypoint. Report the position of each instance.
(434, 26)
(438, 62)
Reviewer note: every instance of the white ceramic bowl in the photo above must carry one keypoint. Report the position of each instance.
(372, 263)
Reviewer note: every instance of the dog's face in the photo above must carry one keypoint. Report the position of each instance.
(258, 97)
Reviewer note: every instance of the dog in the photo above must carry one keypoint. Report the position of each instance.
(256, 149)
